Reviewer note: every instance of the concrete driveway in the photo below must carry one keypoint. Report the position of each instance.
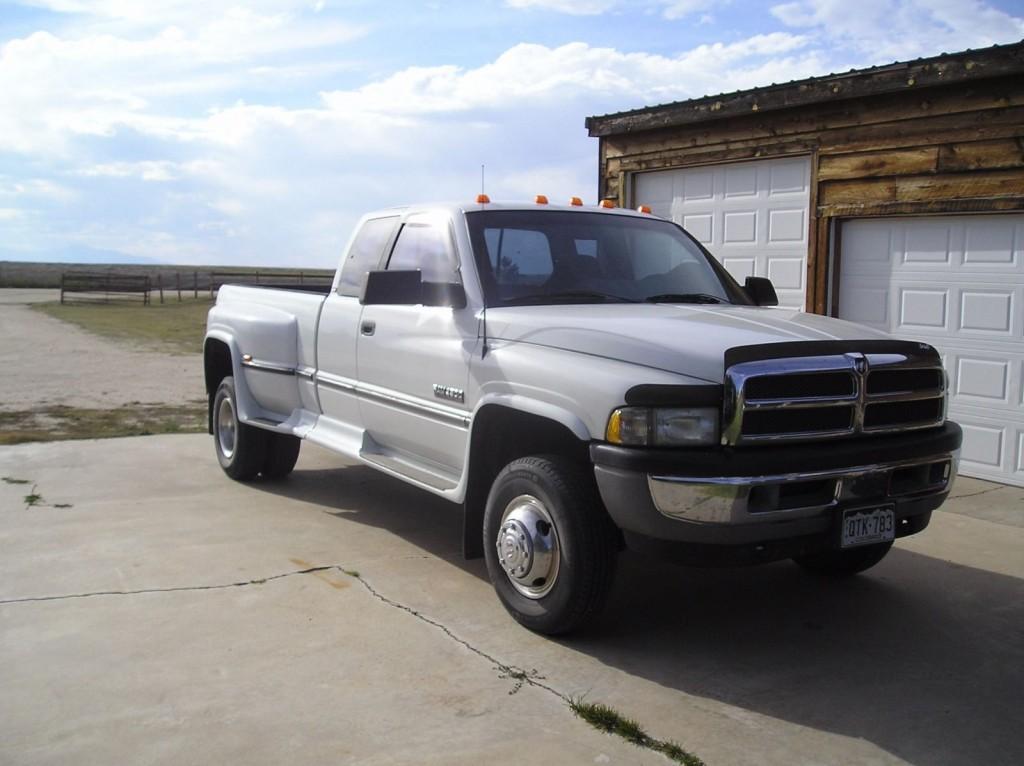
(170, 615)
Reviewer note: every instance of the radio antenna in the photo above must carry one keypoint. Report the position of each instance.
(482, 190)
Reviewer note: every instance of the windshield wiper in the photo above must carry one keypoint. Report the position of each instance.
(683, 298)
(568, 296)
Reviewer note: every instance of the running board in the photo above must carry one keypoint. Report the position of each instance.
(431, 476)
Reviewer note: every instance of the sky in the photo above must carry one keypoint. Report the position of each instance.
(256, 133)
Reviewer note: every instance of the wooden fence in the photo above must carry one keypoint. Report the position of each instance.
(277, 278)
(91, 287)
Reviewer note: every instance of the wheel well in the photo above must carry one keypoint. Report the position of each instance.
(216, 366)
(500, 435)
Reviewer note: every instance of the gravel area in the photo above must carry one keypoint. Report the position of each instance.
(44, 361)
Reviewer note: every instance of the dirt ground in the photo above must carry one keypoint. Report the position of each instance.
(47, 362)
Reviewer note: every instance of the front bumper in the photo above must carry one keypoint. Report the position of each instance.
(758, 504)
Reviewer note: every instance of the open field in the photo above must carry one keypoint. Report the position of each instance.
(174, 327)
(132, 370)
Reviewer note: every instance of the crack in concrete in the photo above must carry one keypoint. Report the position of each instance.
(975, 494)
(520, 676)
(176, 589)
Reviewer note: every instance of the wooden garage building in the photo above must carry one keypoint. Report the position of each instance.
(892, 196)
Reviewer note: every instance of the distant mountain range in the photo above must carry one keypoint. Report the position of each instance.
(81, 255)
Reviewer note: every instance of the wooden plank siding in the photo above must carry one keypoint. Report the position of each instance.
(938, 148)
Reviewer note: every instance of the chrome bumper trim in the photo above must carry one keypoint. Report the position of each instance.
(726, 499)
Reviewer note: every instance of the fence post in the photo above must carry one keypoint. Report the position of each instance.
(195, 285)
(62, 277)
(177, 279)
(160, 286)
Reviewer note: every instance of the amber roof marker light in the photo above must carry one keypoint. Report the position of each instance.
(607, 203)
(576, 202)
(482, 199)
(644, 209)
(541, 199)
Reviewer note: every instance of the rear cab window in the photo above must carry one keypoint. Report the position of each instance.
(365, 253)
(424, 244)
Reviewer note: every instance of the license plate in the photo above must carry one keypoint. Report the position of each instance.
(864, 526)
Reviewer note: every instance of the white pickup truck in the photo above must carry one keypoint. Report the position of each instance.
(583, 380)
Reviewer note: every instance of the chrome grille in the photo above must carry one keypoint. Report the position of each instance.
(821, 397)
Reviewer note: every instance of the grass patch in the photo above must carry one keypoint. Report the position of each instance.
(60, 422)
(12, 480)
(171, 327)
(604, 718)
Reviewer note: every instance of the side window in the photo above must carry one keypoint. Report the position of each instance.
(424, 245)
(365, 253)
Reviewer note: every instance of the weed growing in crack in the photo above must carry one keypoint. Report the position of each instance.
(519, 675)
(33, 498)
(604, 718)
(12, 480)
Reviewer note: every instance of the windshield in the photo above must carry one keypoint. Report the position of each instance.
(529, 257)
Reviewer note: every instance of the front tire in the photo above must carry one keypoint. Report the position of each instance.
(241, 449)
(844, 563)
(551, 549)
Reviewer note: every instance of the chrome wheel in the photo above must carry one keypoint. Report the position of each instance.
(226, 427)
(527, 546)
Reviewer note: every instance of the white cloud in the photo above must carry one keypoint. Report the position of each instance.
(888, 30)
(669, 9)
(147, 170)
(573, 7)
(679, 9)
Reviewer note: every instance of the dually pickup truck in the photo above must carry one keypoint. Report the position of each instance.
(583, 380)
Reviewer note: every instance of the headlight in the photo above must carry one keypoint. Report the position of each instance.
(663, 426)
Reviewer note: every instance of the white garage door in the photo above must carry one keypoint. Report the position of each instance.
(957, 283)
(752, 216)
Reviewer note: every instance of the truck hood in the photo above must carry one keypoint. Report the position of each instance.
(689, 340)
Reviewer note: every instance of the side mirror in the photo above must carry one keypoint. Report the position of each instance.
(761, 291)
(395, 288)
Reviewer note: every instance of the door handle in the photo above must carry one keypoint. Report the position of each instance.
(368, 327)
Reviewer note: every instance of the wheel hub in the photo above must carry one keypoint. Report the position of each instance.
(527, 546)
(226, 427)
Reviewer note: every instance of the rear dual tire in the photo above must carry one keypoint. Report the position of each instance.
(244, 451)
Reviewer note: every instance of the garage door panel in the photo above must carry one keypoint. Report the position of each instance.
(752, 216)
(922, 308)
(788, 177)
(987, 311)
(787, 225)
(993, 242)
(956, 283)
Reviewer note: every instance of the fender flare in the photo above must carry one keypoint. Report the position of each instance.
(247, 408)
